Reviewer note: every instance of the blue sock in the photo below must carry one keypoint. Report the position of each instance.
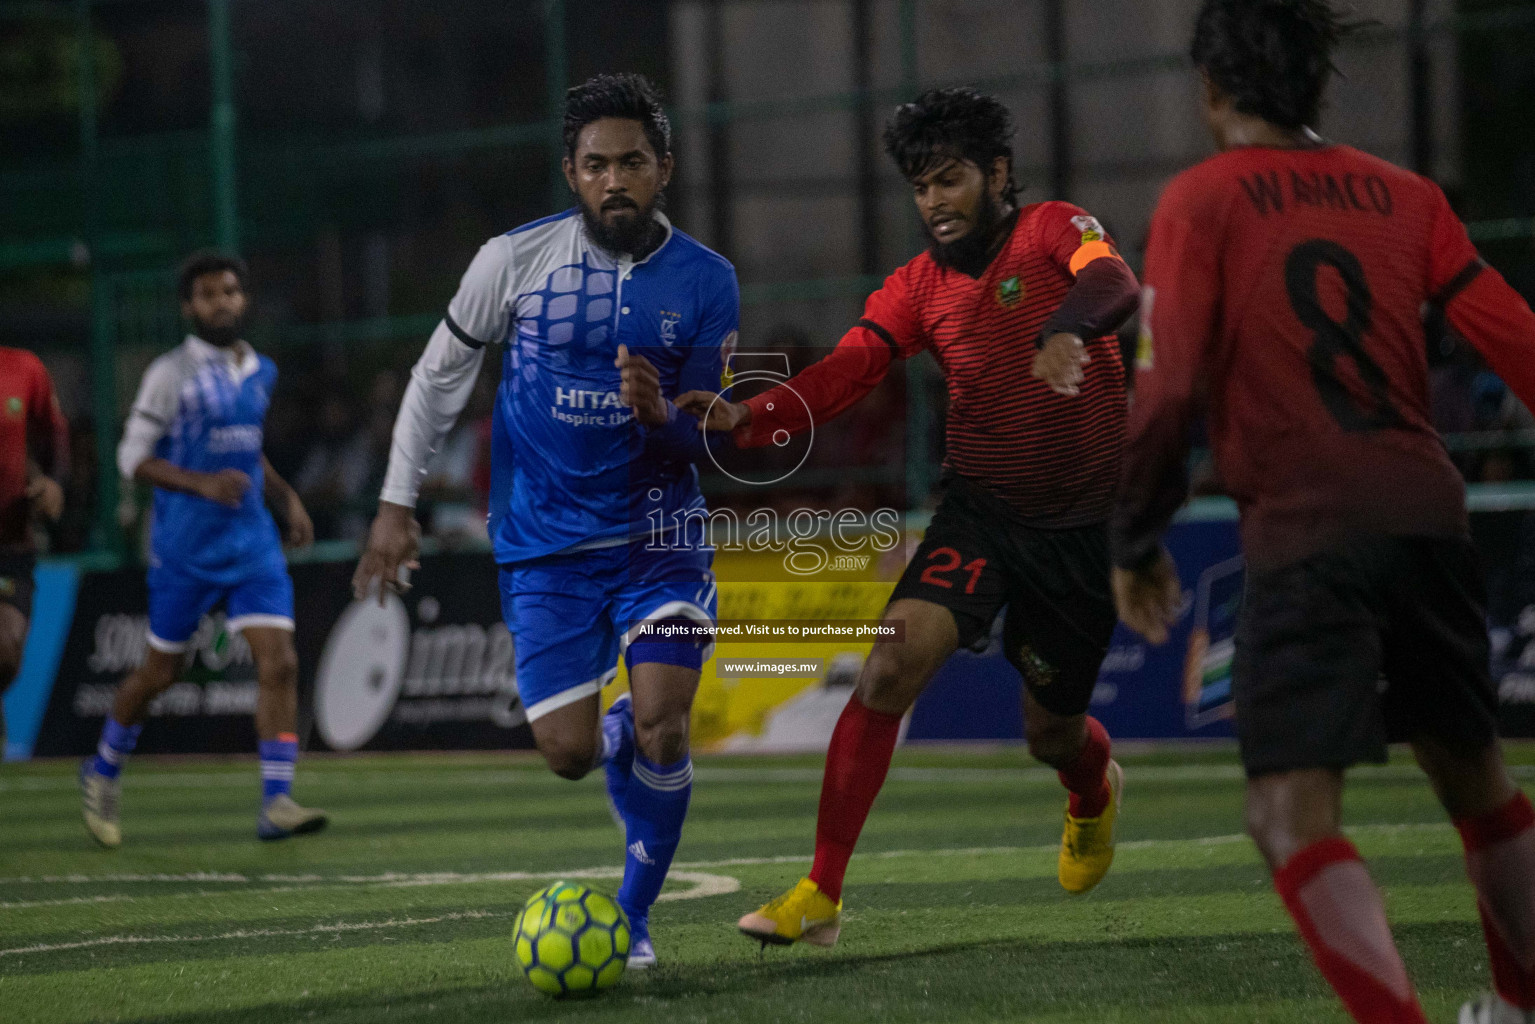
(277, 760)
(655, 805)
(116, 743)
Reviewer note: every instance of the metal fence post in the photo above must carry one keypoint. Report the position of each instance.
(102, 358)
(556, 71)
(226, 224)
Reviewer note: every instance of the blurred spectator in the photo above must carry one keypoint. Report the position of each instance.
(336, 467)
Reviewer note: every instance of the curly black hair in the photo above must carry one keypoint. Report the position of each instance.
(209, 261)
(630, 96)
(1271, 58)
(951, 124)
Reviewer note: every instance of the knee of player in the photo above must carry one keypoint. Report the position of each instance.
(279, 668)
(886, 682)
(1269, 830)
(664, 740)
(571, 761)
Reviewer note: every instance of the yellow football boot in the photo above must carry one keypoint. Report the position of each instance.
(1087, 845)
(803, 914)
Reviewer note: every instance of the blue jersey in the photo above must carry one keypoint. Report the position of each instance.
(571, 467)
(203, 412)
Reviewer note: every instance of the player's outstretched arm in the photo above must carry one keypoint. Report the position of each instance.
(888, 331)
(817, 394)
(283, 500)
(440, 385)
(1177, 331)
(1480, 305)
(439, 388)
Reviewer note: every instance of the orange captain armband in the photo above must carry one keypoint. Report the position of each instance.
(1090, 251)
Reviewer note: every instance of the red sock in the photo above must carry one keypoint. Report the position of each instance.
(856, 763)
(1339, 912)
(1085, 779)
(1500, 858)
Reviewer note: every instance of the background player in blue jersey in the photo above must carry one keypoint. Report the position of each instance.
(602, 310)
(195, 433)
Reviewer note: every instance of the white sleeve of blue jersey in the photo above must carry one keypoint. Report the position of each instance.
(480, 311)
(440, 385)
(443, 378)
(153, 410)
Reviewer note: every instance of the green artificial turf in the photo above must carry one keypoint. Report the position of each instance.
(402, 910)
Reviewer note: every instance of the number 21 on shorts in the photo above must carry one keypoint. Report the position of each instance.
(946, 560)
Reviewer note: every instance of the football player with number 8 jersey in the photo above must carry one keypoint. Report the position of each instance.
(1286, 279)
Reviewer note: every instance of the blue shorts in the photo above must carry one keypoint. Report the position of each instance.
(572, 615)
(178, 601)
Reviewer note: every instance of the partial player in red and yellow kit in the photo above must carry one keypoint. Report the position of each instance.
(1017, 306)
(34, 455)
(1286, 280)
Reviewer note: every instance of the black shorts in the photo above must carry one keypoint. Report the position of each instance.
(1379, 640)
(977, 557)
(16, 581)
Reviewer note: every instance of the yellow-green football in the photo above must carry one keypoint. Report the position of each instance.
(571, 940)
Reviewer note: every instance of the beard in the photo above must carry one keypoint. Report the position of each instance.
(969, 254)
(630, 235)
(217, 335)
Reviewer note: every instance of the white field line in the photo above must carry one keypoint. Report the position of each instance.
(249, 933)
(703, 884)
(682, 870)
(713, 775)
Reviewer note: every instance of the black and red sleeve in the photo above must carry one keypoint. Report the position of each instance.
(887, 331)
(1105, 291)
(1481, 306)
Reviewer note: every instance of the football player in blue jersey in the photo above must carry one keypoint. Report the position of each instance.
(195, 433)
(603, 310)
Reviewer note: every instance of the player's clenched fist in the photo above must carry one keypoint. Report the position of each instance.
(227, 487)
(46, 496)
(394, 541)
(640, 389)
(1059, 363)
(714, 412)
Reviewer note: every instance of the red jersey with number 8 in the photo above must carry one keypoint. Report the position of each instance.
(1289, 286)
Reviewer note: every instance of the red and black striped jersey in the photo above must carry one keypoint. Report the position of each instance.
(1054, 459)
(1288, 285)
(32, 429)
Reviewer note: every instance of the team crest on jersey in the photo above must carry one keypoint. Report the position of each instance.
(13, 407)
(1010, 292)
(669, 322)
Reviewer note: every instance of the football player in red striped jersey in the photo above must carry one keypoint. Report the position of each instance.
(1285, 279)
(34, 456)
(1018, 305)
